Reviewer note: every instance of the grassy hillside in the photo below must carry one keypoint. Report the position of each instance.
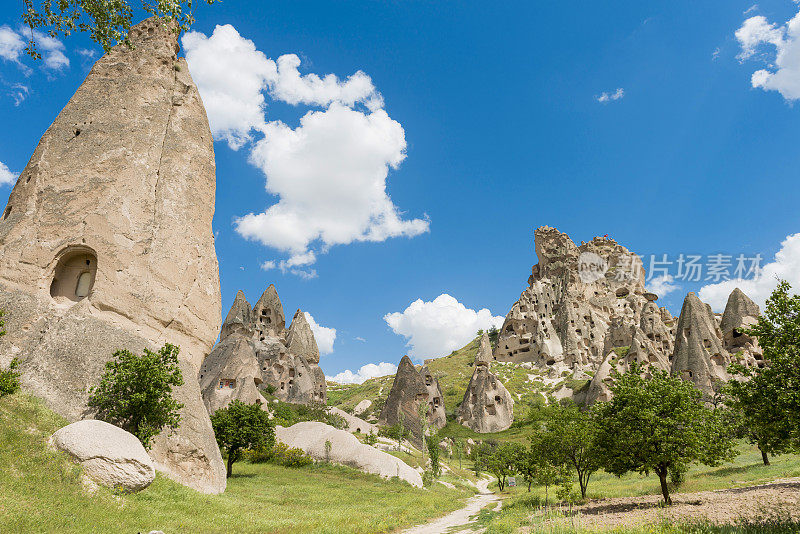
(42, 492)
(528, 386)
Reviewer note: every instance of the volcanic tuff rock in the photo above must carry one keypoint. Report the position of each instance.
(741, 313)
(256, 351)
(561, 319)
(106, 242)
(487, 405)
(586, 311)
(410, 389)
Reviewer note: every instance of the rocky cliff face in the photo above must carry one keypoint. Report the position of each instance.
(574, 294)
(586, 310)
(411, 389)
(106, 242)
(256, 351)
(487, 405)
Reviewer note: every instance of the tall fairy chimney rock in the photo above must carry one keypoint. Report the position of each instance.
(699, 354)
(106, 242)
(487, 405)
(741, 313)
(256, 352)
(410, 390)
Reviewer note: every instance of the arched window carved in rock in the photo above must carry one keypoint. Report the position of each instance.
(74, 274)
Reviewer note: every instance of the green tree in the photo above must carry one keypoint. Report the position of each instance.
(502, 461)
(240, 427)
(569, 438)
(458, 449)
(658, 424)
(769, 397)
(526, 465)
(422, 412)
(9, 378)
(106, 22)
(494, 334)
(433, 454)
(135, 392)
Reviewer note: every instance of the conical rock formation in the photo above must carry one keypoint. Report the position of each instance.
(487, 405)
(409, 391)
(699, 354)
(741, 313)
(256, 352)
(106, 242)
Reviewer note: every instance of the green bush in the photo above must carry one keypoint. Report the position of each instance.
(287, 414)
(9, 379)
(370, 439)
(135, 392)
(287, 456)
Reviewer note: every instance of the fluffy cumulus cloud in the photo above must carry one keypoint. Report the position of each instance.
(785, 266)
(324, 335)
(782, 74)
(6, 176)
(371, 370)
(662, 285)
(329, 172)
(606, 97)
(440, 326)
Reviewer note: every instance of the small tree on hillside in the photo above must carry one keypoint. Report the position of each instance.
(433, 454)
(135, 392)
(9, 378)
(770, 396)
(422, 412)
(502, 461)
(660, 425)
(241, 427)
(569, 437)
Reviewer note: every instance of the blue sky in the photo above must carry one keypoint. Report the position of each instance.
(471, 124)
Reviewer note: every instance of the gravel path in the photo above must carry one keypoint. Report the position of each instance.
(460, 517)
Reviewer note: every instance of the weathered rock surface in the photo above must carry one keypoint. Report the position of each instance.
(362, 407)
(699, 354)
(354, 424)
(108, 455)
(255, 351)
(487, 405)
(411, 389)
(741, 313)
(106, 242)
(346, 450)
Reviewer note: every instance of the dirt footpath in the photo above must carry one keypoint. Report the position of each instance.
(781, 497)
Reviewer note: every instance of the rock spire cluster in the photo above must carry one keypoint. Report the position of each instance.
(487, 405)
(257, 352)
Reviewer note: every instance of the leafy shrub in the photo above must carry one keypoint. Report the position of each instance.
(240, 427)
(9, 379)
(287, 456)
(371, 439)
(135, 392)
(287, 414)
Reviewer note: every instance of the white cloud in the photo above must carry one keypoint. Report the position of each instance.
(715, 54)
(324, 336)
(606, 97)
(11, 44)
(662, 285)
(786, 266)
(440, 326)
(52, 51)
(6, 176)
(230, 74)
(750, 9)
(366, 372)
(329, 173)
(292, 87)
(361, 339)
(784, 74)
(19, 93)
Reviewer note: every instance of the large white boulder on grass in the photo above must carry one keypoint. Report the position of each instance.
(108, 455)
(345, 449)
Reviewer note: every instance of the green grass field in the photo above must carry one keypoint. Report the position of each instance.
(41, 491)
